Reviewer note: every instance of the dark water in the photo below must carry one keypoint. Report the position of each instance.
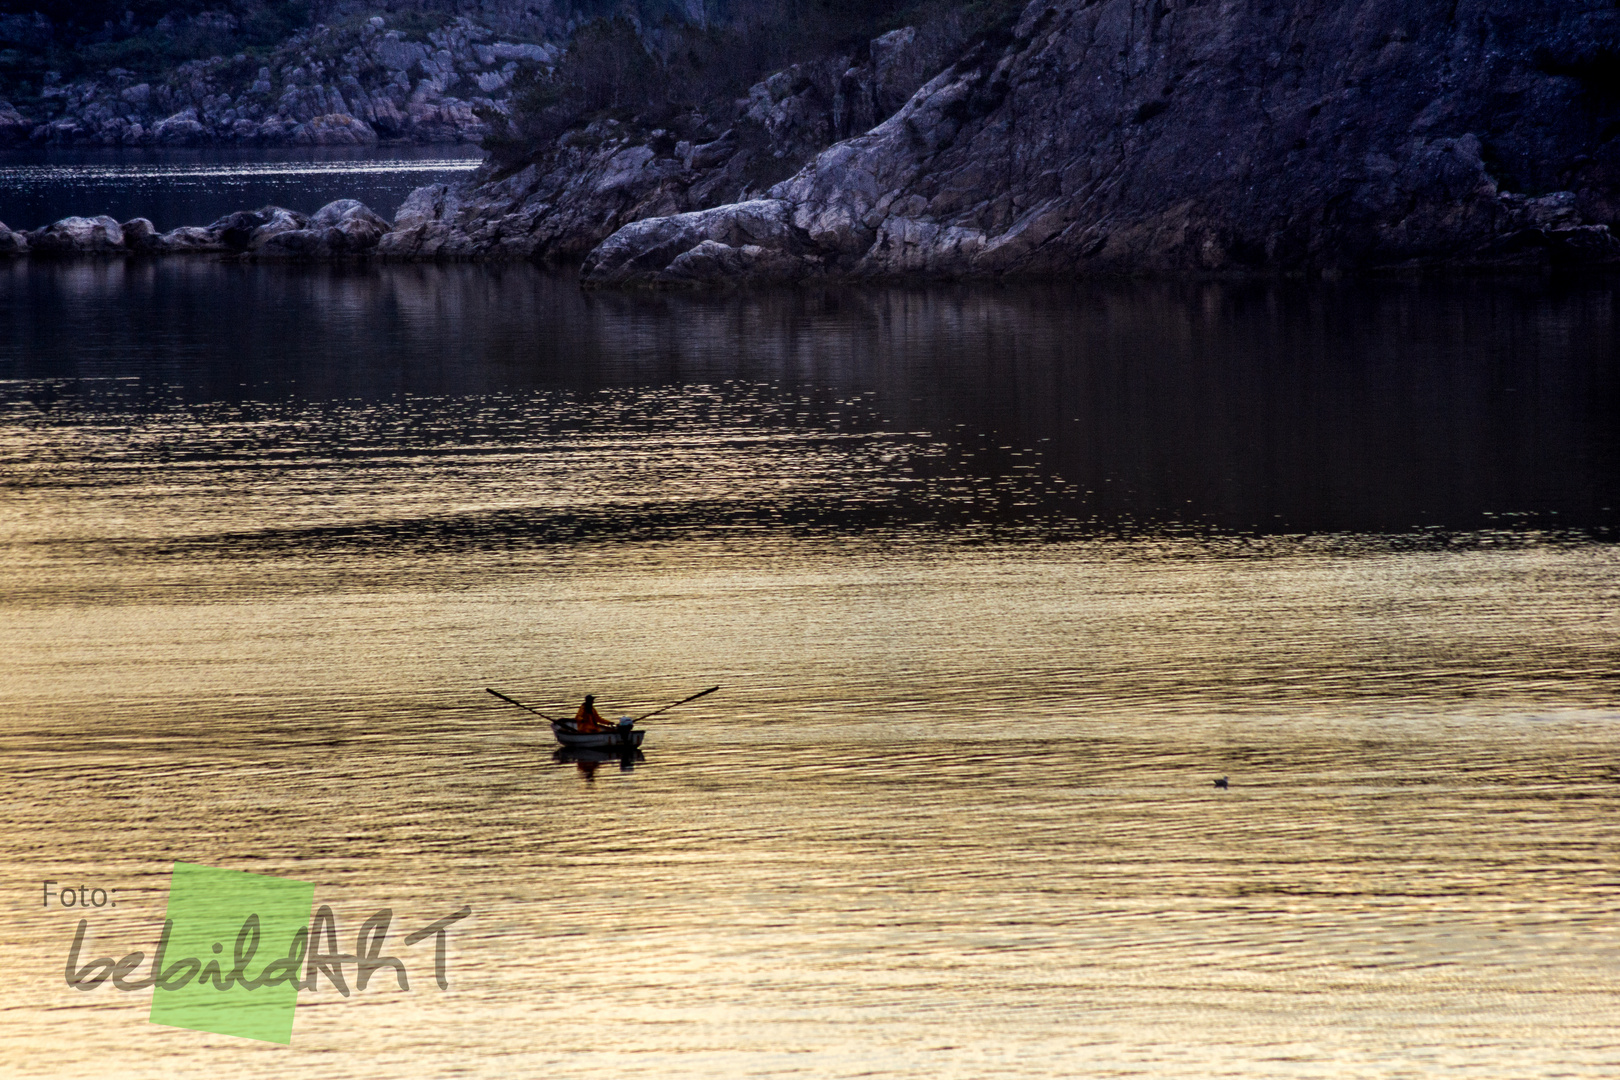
(194, 187)
(996, 582)
(1389, 408)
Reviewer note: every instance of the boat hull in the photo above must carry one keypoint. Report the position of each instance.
(614, 738)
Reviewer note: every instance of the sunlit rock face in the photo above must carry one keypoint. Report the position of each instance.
(1128, 136)
(570, 197)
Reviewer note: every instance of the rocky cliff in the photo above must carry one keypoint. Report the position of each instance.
(342, 72)
(1093, 136)
(354, 84)
(1127, 136)
(575, 193)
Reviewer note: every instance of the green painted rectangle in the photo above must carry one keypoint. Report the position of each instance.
(234, 957)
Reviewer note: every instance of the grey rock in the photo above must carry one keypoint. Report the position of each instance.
(14, 127)
(342, 228)
(423, 226)
(334, 129)
(78, 236)
(900, 65)
(139, 234)
(1560, 209)
(186, 239)
(712, 263)
(537, 54)
(1574, 246)
(396, 54)
(12, 243)
(274, 130)
(181, 129)
(65, 130)
(446, 120)
(757, 235)
(271, 221)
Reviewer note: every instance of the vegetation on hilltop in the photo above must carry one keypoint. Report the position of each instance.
(42, 41)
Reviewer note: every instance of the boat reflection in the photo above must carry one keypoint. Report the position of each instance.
(589, 759)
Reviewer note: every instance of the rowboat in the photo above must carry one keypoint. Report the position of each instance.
(619, 737)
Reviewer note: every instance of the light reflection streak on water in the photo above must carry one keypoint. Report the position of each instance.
(103, 174)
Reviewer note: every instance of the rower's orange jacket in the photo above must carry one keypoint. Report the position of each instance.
(588, 719)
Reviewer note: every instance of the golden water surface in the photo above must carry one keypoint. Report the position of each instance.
(953, 812)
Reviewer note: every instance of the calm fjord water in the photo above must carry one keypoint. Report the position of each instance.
(997, 582)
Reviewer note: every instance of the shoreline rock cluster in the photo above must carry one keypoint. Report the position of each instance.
(326, 86)
(341, 229)
(754, 241)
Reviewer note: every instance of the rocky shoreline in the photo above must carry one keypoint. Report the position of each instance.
(754, 241)
(1096, 137)
(345, 228)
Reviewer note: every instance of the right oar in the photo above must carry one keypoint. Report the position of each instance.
(666, 708)
(520, 705)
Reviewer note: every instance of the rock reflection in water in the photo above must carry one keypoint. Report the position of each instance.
(1266, 408)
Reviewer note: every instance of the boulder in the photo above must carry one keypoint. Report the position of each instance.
(277, 220)
(14, 126)
(535, 54)
(344, 227)
(758, 236)
(78, 235)
(187, 239)
(181, 129)
(334, 129)
(12, 243)
(1575, 246)
(421, 229)
(139, 234)
(712, 262)
(361, 226)
(235, 230)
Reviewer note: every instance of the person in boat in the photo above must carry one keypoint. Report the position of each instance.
(588, 719)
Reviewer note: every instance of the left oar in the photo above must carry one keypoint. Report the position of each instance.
(520, 705)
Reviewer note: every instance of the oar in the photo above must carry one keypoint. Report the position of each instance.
(666, 708)
(520, 705)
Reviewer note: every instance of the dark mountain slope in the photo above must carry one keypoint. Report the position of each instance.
(1194, 135)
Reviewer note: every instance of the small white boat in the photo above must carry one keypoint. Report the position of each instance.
(621, 736)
